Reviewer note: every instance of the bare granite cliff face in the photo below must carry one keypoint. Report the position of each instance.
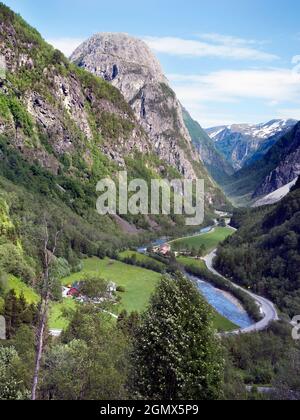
(128, 64)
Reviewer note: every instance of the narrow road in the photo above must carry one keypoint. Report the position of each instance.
(55, 333)
(267, 308)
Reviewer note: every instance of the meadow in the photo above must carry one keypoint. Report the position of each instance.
(209, 240)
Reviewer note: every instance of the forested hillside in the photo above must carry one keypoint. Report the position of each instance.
(213, 160)
(264, 254)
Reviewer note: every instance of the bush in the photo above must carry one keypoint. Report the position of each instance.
(61, 268)
(13, 262)
(21, 116)
(121, 289)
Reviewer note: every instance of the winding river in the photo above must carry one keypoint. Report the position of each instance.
(224, 303)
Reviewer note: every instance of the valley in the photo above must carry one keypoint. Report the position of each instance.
(133, 303)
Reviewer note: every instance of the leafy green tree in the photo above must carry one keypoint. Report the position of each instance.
(176, 353)
(194, 252)
(11, 383)
(287, 382)
(90, 363)
(3, 282)
(24, 343)
(17, 312)
(128, 323)
(94, 287)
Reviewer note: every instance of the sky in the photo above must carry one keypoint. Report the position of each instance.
(229, 61)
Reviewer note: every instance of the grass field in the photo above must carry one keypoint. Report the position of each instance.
(223, 324)
(209, 240)
(140, 257)
(56, 320)
(191, 262)
(16, 284)
(138, 283)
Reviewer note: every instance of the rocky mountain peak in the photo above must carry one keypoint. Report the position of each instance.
(117, 52)
(129, 65)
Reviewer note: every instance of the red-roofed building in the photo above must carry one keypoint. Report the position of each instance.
(73, 292)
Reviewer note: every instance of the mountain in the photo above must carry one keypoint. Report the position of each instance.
(244, 144)
(62, 130)
(129, 65)
(264, 254)
(213, 160)
(276, 195)
(277, 168)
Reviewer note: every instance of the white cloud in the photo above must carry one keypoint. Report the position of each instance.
(66, 45)
(271, 85)
(288, 113)
(206, 95)
(211, 117)
(212, 45)
(229, 40)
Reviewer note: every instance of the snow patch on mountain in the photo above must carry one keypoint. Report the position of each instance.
(242, 144)
(275, 196)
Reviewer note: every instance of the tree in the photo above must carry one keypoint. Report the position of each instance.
(3, 282)
(193, 252)
(287, 382)
(222, 222)
(176, 354)
(128, 323)
(90, 363)
(48, 259)
(17, 312)
(24, 344)
(94, 287)
(11, 383)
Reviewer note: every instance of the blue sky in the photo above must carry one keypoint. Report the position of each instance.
(229, 61)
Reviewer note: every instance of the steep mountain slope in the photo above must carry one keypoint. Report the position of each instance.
(128, 64)
(276, 195)
(213, 160)
(280, 166)
(244, 144)
(264, 254)
(61, 131)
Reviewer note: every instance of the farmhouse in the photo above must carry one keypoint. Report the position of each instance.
(73, 292)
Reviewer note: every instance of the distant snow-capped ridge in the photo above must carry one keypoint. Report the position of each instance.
(242, 144)
(259, 131)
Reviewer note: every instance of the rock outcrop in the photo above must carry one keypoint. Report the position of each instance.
(128, 64)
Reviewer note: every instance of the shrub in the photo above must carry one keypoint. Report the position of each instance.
(12, 261)
(21, 116)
